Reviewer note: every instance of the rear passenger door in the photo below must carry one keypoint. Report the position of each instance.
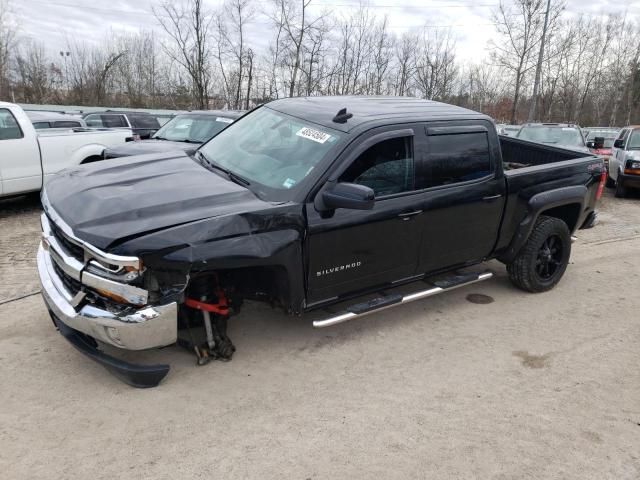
(466, 195)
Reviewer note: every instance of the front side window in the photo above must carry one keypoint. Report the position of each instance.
(144, 121)
(271, 149)
(386, 167)
(634, 140)
(192, 128)
(9, 128)
(457, 157)
(94, 121)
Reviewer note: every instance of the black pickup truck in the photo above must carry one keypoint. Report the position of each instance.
(302, 203)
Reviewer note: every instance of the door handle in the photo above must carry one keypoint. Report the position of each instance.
(408, 215)
(491, 197)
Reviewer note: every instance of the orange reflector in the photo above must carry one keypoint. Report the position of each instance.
(632, 171)
(603, 179)
(112, 296)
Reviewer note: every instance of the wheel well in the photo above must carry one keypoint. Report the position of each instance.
(91, 159)
(267, 283)
(569, 214)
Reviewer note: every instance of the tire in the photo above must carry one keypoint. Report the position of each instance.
(610, 183)
(621, 191)
(543, 259)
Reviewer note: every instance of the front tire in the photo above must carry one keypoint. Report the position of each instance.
(621, 191)
(610, 183)
(543, 259)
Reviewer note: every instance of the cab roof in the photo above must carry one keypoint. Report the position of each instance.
(367, 109)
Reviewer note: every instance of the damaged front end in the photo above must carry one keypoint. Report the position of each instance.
(92, 295)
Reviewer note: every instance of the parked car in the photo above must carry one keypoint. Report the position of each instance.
(600, 141)
(44, 120)
(624, 163)
(142, 124)
(509, 130)
(302, 203)
(565, 135)
(29, 158)
(184, 132)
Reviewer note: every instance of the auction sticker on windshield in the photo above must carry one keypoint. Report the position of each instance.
(224, 120)
(315, 135)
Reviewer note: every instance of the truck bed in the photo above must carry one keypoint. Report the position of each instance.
(517, 153)
(532, 168)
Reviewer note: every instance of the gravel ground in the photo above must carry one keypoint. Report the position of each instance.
(528, 386)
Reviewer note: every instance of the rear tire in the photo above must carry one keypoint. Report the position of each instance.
(543, 259)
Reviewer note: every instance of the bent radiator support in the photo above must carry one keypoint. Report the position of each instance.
(382, 303)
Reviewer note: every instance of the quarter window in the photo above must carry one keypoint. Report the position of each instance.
(456, 157)
(386, 167)
(9, 128)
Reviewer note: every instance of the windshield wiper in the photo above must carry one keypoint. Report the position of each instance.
(234, 177)
(188, 140)
(158, 138)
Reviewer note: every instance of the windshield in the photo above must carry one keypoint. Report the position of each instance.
(192, 128)
(608, 135)
(570, 136)
(271, 149)
(634, 141)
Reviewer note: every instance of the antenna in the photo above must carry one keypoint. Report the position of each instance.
(342, 116)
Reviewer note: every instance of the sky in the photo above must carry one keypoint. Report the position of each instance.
(52, 22)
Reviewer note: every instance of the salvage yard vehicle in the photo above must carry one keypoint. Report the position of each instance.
(29, 158)
(302, 203)
(142, 124)
(184, 132)
(600, 141)
(44, 120)
(624, 163)
(565, 135)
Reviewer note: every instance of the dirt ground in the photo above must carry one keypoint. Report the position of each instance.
(528, 386)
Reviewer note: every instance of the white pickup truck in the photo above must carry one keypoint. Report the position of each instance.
(28, 159)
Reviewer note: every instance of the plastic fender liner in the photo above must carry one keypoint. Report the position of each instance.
(139, 376)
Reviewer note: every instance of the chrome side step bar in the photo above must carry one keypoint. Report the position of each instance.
(382, 303)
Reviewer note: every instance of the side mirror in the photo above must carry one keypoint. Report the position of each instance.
(349, 195)
(619, 143)
(591, 144)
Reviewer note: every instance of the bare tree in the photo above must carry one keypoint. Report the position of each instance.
(519, 27)
(7, 41)
(188, 25)
(435, 65)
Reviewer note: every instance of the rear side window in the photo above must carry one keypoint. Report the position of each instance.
(41, 125)
(455, 158)
(9, 128)
(144, 121)
(66, 124)
(114, 121)
(387, 167)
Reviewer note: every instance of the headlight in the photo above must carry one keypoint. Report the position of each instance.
(634, 165)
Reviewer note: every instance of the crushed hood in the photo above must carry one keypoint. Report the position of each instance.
(150, 146)
(106, 203)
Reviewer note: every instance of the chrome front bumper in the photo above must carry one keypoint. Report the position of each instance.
(146, 327)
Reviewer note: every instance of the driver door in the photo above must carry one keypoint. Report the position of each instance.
(352, 250)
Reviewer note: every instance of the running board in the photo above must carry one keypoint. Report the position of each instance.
(382, 303)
